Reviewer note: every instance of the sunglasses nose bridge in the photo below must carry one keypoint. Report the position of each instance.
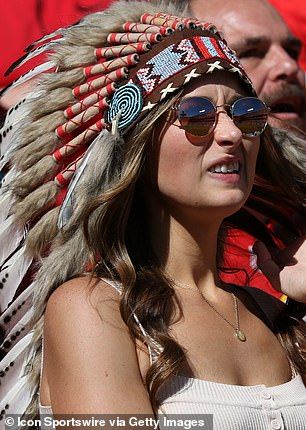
(227, 109)
(226, 131)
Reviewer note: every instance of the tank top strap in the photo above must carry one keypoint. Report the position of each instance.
(294, 372)
(157, 349)
(41, 365)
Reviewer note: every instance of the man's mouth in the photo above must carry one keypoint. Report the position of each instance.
(291, 108)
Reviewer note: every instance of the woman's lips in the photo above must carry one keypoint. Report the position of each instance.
(230, 178)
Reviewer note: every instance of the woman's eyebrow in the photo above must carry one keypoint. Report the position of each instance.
(231, 100)
(234, 98)
(186, 97)
(212, 99)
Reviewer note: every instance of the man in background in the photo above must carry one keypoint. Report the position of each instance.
(267, 50)
(294, 14)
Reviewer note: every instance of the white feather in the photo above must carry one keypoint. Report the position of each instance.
(4, 159)
(30, 55)
(15, 114)
(9, 144)
(18, 399)
(67, 205)
(14, 389)
(9, 131)
(6, 202)
(10, 238)
(12, 273)
(11, 174)
(20, 330)
(16, 310)
(29, 75)
(45, 39)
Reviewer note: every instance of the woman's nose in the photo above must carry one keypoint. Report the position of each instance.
(226, 133)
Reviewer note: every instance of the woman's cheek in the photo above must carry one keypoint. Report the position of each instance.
(176, 164)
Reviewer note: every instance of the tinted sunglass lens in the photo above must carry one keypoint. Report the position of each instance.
(250, 115)
(197, 115)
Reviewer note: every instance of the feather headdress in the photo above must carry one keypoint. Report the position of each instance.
(102, 76)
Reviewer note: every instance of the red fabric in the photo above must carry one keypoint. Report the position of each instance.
(22, 22)
(294, 14)
(238, 255)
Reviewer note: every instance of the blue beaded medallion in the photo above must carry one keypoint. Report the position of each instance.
(127, 101)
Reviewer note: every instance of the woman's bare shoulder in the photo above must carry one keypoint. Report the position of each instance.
(79, 286)
(84, 297)
(84, 305)
(90, 354)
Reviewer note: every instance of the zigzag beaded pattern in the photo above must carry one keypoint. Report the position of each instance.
(175, 58)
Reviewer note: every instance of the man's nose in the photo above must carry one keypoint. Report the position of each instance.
(226, 133)
(283, 66)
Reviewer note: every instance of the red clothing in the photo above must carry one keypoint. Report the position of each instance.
(22, 22)
(242, 262)
(294, 14)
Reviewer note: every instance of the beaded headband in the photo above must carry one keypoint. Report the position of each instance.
(169, 65)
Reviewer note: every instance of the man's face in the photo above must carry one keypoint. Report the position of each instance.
(267, 50)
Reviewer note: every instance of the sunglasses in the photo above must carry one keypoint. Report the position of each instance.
(198, 115)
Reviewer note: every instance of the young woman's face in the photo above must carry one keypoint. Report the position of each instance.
(185, 165)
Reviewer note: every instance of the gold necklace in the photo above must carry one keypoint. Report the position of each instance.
(240, 335)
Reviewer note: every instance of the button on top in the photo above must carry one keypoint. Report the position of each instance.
(276, 425)
(265, 395)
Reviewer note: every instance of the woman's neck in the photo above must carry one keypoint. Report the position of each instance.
(187, 248)
(192, 257)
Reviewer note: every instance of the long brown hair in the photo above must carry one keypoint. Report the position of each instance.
(119, 236)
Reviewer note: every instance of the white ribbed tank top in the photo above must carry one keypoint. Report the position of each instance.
(234, 407)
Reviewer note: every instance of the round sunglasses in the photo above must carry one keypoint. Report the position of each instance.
(198, 115)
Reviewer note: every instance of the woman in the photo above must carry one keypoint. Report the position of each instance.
(176, 155)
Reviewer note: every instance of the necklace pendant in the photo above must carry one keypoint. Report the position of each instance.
(240, 335)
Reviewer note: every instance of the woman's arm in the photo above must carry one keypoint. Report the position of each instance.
(90, 358)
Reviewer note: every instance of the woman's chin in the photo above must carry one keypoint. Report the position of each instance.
(228, 203)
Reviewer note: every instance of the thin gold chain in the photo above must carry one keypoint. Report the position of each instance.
(222, 316)
(239, 334)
